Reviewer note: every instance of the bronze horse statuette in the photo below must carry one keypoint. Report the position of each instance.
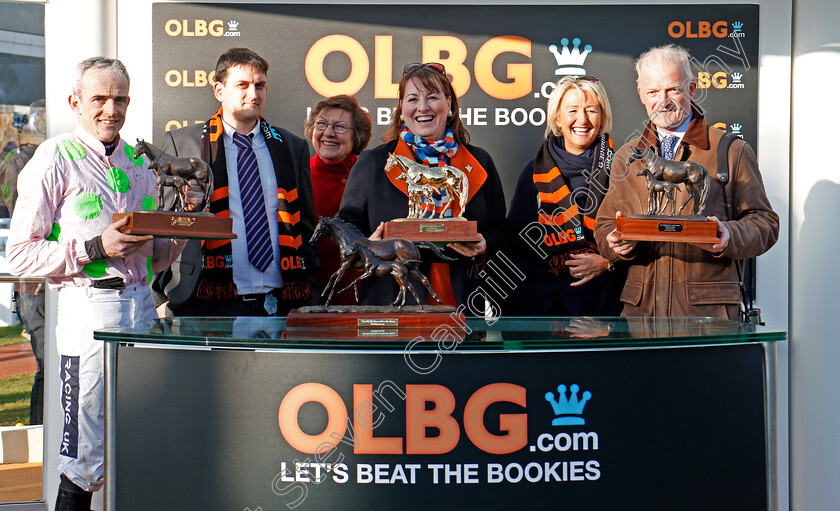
(694, 175)
(656, 191)
(396, 257)
(175, 172)
(377, 267)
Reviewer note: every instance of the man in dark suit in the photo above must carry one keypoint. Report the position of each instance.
(261, 181)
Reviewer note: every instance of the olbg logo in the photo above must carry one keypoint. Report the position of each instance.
(510, 436)
(697, 29)
(198, 28)
(719, 80)
(448, 50)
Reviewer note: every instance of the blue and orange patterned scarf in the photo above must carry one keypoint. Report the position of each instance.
(432, 153)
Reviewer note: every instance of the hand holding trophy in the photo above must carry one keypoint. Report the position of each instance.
(189, 179)
(663, 179)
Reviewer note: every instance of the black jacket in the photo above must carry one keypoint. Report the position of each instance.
(178, 283)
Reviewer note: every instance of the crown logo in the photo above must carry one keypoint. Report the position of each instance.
(233, 25)
(570, 62)
(568, 412)
(736, 76)
(736, 128)
(737, 26)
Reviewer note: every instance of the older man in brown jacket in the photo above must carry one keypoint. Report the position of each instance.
(684, 279)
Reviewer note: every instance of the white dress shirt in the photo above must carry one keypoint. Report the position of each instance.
(247, 278)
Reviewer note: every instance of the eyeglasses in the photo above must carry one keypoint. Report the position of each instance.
(339, 129)
(435, 66)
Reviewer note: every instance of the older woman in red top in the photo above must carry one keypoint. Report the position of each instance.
(340, 130)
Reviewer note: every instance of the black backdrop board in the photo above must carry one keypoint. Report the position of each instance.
(499, 56)
(672, 428)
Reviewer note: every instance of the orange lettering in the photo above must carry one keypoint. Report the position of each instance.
(383, 86)
(451, 52)
(200, 28)
(314, 65)
(287, 416)
(418, 418)
(363, 425)
(676, 29)
(688, 32)
(515, 426)
(519, 74)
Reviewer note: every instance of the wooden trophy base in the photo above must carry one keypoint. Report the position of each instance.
(437, 230)
(357, 322)
(680, 229)
(166, 224)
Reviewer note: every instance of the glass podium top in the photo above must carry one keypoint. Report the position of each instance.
(474, 334)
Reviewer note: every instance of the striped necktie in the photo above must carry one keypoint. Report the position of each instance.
(669, 144)
(257, 235)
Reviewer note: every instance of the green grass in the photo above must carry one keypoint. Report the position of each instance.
(15, 390)
(11, 335)
(14, 399)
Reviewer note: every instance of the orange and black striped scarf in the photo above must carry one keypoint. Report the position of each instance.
(217, 264)
(568, 225)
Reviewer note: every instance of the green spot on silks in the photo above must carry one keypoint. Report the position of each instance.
(117, 180)
(95, 269)
(8, 156)
(149, 273)
(149, 203)
(129, 151)
(55, 233)
(71, 150)
(6, 190)
(87, 205)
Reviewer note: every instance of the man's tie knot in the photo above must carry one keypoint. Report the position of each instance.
(669, 144)
(242, 141)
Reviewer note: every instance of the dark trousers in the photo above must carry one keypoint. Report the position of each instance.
(30, 309)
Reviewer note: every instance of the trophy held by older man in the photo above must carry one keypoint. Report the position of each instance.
(176, 172)
(432, 192)
(664, 178)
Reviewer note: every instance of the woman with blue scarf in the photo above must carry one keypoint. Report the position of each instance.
(427, 127)
(552, 213)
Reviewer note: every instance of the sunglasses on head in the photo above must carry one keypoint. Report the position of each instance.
(581, 79)
(431, 65)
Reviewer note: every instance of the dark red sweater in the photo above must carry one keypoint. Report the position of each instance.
(328, 181)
